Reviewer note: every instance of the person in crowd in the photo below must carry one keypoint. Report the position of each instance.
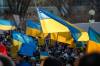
(3, 49)
(23, 61)
(92, 59)
(6, 61)
(63, 60)
(51, 61)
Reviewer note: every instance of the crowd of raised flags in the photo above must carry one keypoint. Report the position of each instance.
(50, 30)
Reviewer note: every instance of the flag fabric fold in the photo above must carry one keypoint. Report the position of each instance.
(26, 45)
(94, 42)
(64, 37)
(49, 24)
(53, 24)
(6, 25)
(29, 48)
(33, 28)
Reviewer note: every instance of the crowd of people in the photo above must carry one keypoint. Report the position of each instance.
(58, 55)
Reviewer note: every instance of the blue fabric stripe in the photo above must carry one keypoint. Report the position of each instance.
(17, 36)
(28, 49)
(93, 35)
(28, 43)
(6, 22)
(33, 25)
(44, 53)
(75, 32)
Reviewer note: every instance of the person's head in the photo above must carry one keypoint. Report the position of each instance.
(51, 61)
(5, 61)
(90, 60)
(63, 60)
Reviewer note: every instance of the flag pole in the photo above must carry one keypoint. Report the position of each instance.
(35, 2)
(56, 41)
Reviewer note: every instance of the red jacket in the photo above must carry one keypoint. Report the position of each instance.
(3, 49)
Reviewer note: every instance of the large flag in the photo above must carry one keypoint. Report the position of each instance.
(17, 39)
(29, 48)
(23, 44)
(6, 25)
(94, 42)
(53, 24)
(33, 28)
(64, 37)
(17, 42)
(49, 24)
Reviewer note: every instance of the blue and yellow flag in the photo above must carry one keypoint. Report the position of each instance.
(49, 24)
(26, 45)
(33, 28)
(64, 37)
(29, 47)
(17, 39)
(43, 55)
(53, 24)
(16, 43)
(6, 25)
(94, 42)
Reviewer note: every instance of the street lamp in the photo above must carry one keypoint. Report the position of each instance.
(91, 13)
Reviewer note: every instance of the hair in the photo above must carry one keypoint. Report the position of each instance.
(90, 60)
(6, 61)
(51, 61)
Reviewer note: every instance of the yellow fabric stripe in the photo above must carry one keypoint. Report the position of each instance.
(36, 33)
(16, 46)
(41, 41)
(64, 37)
(14, 51)
(84, 37)
(32, 32)
(17, 43)
(3, 27)
(41, 38)
(51, 26)
(43, 57)
(93, 47)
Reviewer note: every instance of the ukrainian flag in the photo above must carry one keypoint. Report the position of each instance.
(64, 37)
(33, 28)
(23, 44)
(6, 25)
(22, 38)
(53, 24)
(43, 55)
(16, 43)
(94, 42)
(18, 40)
(29, 47)
(78, 34)
(49, 24)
